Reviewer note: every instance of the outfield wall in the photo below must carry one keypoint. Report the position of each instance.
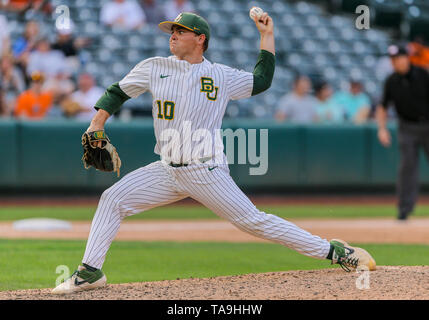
(47, 155)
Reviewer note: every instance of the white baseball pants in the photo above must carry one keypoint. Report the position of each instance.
(158, 184)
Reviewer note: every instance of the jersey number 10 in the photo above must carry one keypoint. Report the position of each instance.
(166, 110)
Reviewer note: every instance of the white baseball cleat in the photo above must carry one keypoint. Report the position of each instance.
(82, 279)
(349, 257)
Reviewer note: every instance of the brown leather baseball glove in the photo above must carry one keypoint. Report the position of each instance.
(104, 157)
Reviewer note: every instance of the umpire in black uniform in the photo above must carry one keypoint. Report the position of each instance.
(407, 89)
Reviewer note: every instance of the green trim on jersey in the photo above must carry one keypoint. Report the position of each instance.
(263, 72)
(112, 99)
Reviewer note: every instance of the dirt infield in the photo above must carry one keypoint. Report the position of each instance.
(353, 230)
(401, 283)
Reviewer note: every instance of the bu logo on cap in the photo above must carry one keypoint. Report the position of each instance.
(178, 18)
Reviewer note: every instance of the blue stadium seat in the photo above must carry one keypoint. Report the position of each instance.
(218, 44)
(120, 69)
(311, 46)
(285, 44)
(91, 29)
(312, 20)
(230, 6)
(92, 68)
(239, 44)
(244, 58)
(160, 52)
(105, 56)
(111, 41)
(330, 73)
(81, 4)
(249, 32)
(339, 22)
(86, 14)
(359, 47)
(289, 20)
(107, 79)
(321, 60)
(279, 7)
(203, 6)
(233, 110)
(133, 56)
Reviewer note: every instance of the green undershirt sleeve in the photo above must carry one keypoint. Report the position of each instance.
(263, 72)
(112, 99)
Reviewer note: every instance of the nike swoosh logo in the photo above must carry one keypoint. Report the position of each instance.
(162, 76)
(212, 168)
(78, 283)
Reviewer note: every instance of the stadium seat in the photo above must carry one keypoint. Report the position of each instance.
(85, 14)
(133, 56)
(279, 7)
(91, 29)
(288, 20)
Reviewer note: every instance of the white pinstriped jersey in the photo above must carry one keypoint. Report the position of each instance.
(186, 98)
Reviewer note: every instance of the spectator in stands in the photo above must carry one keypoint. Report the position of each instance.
(419, 53)
(155, 13)
(11, 81)
(174, 7)
(4, 36)
(355, 103)
(22, 47)
(123, 14)
(47, 61)
(81, 103)
(70, 46)
(327, 110)
(34, 103)
(298, 106)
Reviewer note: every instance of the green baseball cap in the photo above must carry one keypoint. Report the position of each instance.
(190, 21)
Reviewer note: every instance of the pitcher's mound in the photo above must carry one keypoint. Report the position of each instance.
(384, 283)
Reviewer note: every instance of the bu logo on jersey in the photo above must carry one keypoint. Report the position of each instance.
(207, 86)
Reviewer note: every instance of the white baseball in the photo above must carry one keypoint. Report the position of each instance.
(255, 12)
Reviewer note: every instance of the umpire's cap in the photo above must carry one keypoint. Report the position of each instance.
(190, 21)
(396, 51)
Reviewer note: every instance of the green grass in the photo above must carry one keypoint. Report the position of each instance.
(200, 212)
(29, 264)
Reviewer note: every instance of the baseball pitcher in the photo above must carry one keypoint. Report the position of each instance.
(190, 94)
